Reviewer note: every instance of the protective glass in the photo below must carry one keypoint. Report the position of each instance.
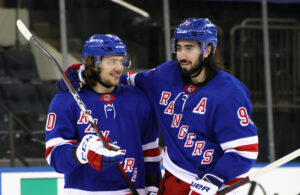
(125, 62)
(173, 46)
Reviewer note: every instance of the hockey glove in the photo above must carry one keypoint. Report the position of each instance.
(208, 185)
(91, 150)
(75, 74)
(151, 190)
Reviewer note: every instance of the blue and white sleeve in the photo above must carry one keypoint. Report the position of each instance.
(60, 134)
(238, 138)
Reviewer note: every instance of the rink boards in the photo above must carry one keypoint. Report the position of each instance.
(45, 181)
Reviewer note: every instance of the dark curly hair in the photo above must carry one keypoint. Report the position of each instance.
(91, 71)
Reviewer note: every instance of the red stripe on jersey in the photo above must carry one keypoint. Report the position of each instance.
(73, 142)
(248, 148)
(233, 181)
(152, 152)
(49, 149)
(164, 148)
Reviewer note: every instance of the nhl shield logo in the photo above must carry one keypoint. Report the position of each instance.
(107, 97)
(190, 88)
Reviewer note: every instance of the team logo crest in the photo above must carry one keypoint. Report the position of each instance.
(109, 107)
(190, 88)
(107, 97)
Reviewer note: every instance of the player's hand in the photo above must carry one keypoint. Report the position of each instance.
(91, 150)
(208, 185)
(75, 74)
(151, 190)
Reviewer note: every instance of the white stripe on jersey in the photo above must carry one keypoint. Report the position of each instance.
(150, 145)
(151, 156)
(130, 78)
(246, 150)
(53, 143)
(152, 159)
(239, 142)
(57, 141)
(250, 155)
(180, 173)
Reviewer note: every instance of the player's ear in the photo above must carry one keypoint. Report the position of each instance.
(208, 51)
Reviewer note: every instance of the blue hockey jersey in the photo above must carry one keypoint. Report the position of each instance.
(125, 117)
(206, 129)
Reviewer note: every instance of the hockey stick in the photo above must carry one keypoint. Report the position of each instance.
(262, 171)
(29, 37)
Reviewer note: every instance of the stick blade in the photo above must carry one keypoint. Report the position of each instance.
(24, 30)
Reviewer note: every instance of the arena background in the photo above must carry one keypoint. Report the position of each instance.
(28, 77)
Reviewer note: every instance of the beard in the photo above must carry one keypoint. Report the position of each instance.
(186, 75)
(106, 84)
(190, 72)
(195, 70)
(95, 75)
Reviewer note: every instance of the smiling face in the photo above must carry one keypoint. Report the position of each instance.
(188, 53)
(111, 69)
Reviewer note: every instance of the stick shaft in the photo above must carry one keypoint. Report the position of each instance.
(234, 186)
(275, 164)
(262, 171)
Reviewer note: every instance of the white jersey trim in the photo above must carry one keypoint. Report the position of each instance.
(180, 173)
(152, 159)
(71, 191)
(250, 155)
(53, 143)
(239, 142)
(150, 145)
(81, 68)
(48, 158)
(56, 142)
(130, 79)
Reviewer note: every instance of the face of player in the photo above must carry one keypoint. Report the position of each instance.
(111, 69)
(188, 53)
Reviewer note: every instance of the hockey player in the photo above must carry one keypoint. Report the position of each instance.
(125, 117)
(204, 114)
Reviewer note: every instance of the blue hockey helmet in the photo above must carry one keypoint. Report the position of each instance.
(201, 30)
(105, 45)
